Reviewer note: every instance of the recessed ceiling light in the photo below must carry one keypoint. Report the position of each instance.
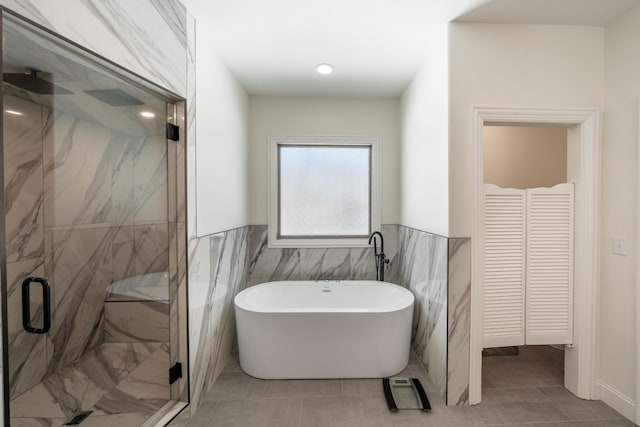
(324, 68)
(14, 112)
(147, 114)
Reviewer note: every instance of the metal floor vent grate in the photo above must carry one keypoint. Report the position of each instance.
(77, 418)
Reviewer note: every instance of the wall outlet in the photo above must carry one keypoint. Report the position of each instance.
(619, 246)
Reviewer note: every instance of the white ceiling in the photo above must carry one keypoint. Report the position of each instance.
(376, 46)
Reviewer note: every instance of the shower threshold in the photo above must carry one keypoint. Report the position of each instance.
(122, 384)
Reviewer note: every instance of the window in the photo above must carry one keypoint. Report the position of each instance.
(324, 192)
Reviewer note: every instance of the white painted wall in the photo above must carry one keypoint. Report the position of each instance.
(222, 147)
(323, 116)
(525, 156)
(619, 198)
(511, 66)
(424, 153)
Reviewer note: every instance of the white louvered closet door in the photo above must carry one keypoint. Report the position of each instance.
(549, 272)
(504, 266)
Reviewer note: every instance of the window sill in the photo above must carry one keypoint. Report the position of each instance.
(319, 243)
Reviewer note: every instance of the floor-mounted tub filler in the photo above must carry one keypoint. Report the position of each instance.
(324, 329)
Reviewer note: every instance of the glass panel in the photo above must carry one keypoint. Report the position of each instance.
(86, 208)
(324, 191)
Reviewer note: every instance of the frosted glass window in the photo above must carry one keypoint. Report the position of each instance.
(324, 191)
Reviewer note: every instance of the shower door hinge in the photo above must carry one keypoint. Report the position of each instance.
(173, 132)
(175, 372)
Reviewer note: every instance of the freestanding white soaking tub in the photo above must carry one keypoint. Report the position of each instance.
(324, 329)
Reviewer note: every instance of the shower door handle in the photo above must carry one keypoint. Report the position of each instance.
(26, 305)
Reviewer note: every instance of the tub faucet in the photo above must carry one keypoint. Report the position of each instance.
(381, 260)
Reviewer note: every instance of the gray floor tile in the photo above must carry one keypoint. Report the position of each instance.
(576, 408)
(235, 385)
(203, 415)
(255, 413)
(233, 365)
(527, 392)
(600, 423)
(518, 412)
(345, 411)
(301, 388)
(587, 410)
(518, 394)
(361, 386)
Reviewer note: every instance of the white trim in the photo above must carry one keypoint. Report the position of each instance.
(617, 400)
(272, 195)
(580, 359)
(637, 411)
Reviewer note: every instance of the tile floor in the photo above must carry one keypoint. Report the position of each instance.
(123, 383)
(524, 390)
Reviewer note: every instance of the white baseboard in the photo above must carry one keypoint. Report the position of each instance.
(617, 400)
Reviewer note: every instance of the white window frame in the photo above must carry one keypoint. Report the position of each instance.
(322, 242)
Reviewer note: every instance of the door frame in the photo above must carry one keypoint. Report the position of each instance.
(637, 399)
(580, 357)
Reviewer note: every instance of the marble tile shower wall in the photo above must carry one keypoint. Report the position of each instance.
(148, 37)
(85, 206)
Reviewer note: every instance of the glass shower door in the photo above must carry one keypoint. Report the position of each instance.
(89, 208)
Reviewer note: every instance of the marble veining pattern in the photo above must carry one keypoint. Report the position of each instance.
(420, 261)
(269, 264)
(423, 270)
(69, 172)
(79, 268)
(217, 273)
(23, 183)
(459, 321)
(135, 35)
(90, 383)
(273, 264)
(77, 172)
(221, 265)
(136, 321)
(29, 356)
(151, 248)
(148, 37)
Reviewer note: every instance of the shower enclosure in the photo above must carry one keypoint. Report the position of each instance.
(92, 247)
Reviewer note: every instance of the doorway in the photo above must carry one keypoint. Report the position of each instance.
(519, 315)
(583, 146)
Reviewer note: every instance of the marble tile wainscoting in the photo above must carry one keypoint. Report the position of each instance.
(423, 270)
(223, 264)
(273, 264)
(438, 272)
(217, 272)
